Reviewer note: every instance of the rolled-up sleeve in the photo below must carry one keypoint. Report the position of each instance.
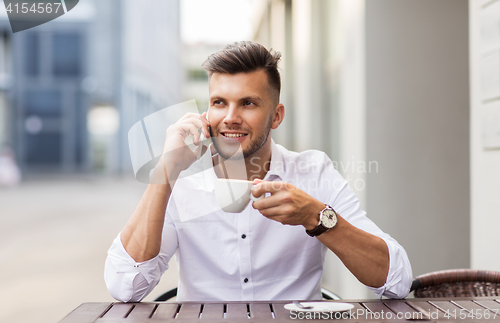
(127, 280)
(399, 277)
(131, 281)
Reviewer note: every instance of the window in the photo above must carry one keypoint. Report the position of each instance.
(66, 54)
(43, 103)
(43, 148)
(31, 54)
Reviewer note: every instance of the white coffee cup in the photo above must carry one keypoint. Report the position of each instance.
(233, 195)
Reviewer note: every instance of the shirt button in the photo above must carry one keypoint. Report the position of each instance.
(245, 280)
(243, 236)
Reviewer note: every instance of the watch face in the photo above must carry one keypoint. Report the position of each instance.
(329, 218)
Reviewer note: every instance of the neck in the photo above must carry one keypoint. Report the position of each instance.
(256, 166)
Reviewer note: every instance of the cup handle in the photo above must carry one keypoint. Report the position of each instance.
(253, 198)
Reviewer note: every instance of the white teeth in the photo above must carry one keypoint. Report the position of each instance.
(233, 135)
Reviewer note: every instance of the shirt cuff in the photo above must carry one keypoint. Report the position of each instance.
(400, 276)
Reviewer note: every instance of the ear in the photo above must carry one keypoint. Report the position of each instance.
(279, 114)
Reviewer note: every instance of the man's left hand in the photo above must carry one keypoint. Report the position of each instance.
(287, 204)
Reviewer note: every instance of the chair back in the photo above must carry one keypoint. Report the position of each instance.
(457, 283)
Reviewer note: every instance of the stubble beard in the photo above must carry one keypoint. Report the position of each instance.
(255, 145)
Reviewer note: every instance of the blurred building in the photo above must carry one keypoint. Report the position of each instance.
(114, 55)
(195, 78)
(5, 83)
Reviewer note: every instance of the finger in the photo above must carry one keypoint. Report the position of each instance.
(268, 202)
(206, 130)
(268, 187)
(193, 120)
(255, 182)
(188, 115)
(204, 118)
(199, 124)
(276, 216)
(199, 139)
(189, 129)
(205, 125)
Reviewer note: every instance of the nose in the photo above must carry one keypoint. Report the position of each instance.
(232, 115)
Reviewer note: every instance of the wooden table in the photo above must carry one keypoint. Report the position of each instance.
(479, 309)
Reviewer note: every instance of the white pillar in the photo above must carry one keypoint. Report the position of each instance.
(304, 110)
(484, 40)
(351, 131)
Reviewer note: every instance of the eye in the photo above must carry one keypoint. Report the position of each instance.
(217, 102)
(248, 103)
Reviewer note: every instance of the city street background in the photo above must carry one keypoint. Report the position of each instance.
(54, 234)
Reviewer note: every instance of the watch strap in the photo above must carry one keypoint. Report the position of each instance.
(317, 231)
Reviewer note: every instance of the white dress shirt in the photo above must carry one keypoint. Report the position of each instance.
(246, 256)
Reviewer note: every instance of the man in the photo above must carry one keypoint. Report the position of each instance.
(264, 252)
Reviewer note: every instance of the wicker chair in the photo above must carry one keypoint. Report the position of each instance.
(457, 283)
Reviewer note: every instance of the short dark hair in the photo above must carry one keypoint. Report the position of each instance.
(243, 57)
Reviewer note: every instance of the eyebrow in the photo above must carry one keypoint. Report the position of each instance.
(251, 98)
(246, 98)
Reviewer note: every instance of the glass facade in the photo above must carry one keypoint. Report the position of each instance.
(31, 54)
(43, 149)
(66, 55)
(43, 103)
(50, 75)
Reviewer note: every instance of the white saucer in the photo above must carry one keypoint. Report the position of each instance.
(320, 307)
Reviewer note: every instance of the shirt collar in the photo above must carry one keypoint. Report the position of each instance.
(277, 167)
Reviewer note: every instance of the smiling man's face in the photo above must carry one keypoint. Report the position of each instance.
(242, 112)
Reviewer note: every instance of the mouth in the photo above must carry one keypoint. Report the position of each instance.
(233, 134)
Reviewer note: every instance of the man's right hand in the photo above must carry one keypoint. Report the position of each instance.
(177, 155)
(141, 236)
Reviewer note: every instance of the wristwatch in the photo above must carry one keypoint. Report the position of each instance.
(327, 220)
